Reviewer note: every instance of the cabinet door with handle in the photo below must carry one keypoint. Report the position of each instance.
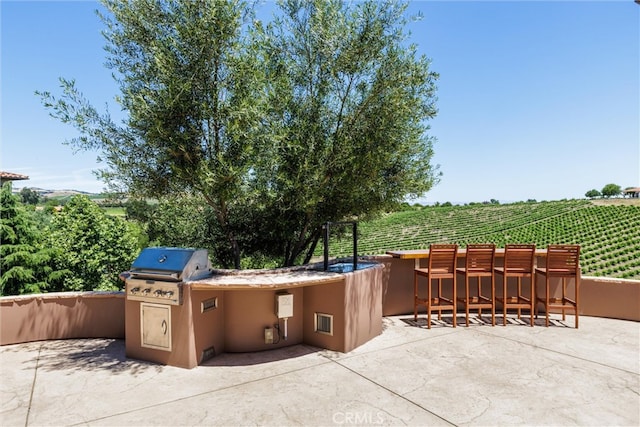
(155, 326)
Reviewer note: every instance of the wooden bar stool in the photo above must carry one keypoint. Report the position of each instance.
(479, 263)
(563, 261)
(519, 263)
(441, 265)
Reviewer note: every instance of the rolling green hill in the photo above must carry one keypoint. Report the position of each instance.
(609, 234)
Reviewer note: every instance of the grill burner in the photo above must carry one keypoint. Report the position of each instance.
(157, 274)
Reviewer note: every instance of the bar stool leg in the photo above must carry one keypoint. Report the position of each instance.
(518, 295)
(439, 296)
(479, 293)
(547, 299)
(493, 301)
(466, 304)
(415, 297)
(532, 296)
(564, 288)
(455, 301)
(429, 303)
(504, 301)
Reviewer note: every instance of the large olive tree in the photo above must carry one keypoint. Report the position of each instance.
(318, 115)
(192, 93)
(349, 100)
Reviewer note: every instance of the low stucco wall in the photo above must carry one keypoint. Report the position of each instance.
(355, 304)
(102, 314)
(606, 297)
(61, 315)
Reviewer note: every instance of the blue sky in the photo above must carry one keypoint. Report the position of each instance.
(537, 100)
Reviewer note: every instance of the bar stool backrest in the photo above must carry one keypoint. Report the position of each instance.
(563, 259)
(480, 257)
(442, 258)
(519, 258)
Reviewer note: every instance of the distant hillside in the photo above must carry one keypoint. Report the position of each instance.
(63, 195)
(54, 193)
(608, 233)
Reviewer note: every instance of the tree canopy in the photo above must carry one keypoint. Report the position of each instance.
(317, 115)
(93, 247)
(611, 190)
(26, 265)
(593, 193)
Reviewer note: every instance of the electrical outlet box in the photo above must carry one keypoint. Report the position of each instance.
(284, 305)
(268, 335)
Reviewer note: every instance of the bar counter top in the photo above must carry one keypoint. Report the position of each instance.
(269, 279)
(424, 253)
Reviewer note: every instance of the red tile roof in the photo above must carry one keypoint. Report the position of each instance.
(9, 176)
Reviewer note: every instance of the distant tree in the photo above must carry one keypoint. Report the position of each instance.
(25, 266)
(179, 221)
(51, 205)
(93, 246)
(611, 190)
(29, 196)
(138, 210)
(592, 194)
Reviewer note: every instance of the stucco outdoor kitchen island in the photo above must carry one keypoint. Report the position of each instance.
(255, 310)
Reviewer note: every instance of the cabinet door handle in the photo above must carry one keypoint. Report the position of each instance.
(164, 327)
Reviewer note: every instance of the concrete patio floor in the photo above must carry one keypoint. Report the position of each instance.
(481, 375)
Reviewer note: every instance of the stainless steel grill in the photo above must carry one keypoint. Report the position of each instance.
(158, 273)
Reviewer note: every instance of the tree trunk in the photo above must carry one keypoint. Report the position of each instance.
(314, 242)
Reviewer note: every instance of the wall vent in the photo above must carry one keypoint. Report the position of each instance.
(207, 354)
(208, 305)
(323, 323)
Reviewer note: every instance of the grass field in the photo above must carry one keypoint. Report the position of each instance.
(115, 211)
(608, 231)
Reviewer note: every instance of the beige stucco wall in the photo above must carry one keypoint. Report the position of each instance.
(362, 307)
(208, 326)
(237, 324)
(614, 298)
(325, 299)
(356, 306)
(61, 315)
(248, 312)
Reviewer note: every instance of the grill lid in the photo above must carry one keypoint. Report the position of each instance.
(171, 263)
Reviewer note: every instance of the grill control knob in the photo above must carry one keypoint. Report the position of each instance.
(146, 291)
(158, 292)
(135, 290)
(168, 294)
